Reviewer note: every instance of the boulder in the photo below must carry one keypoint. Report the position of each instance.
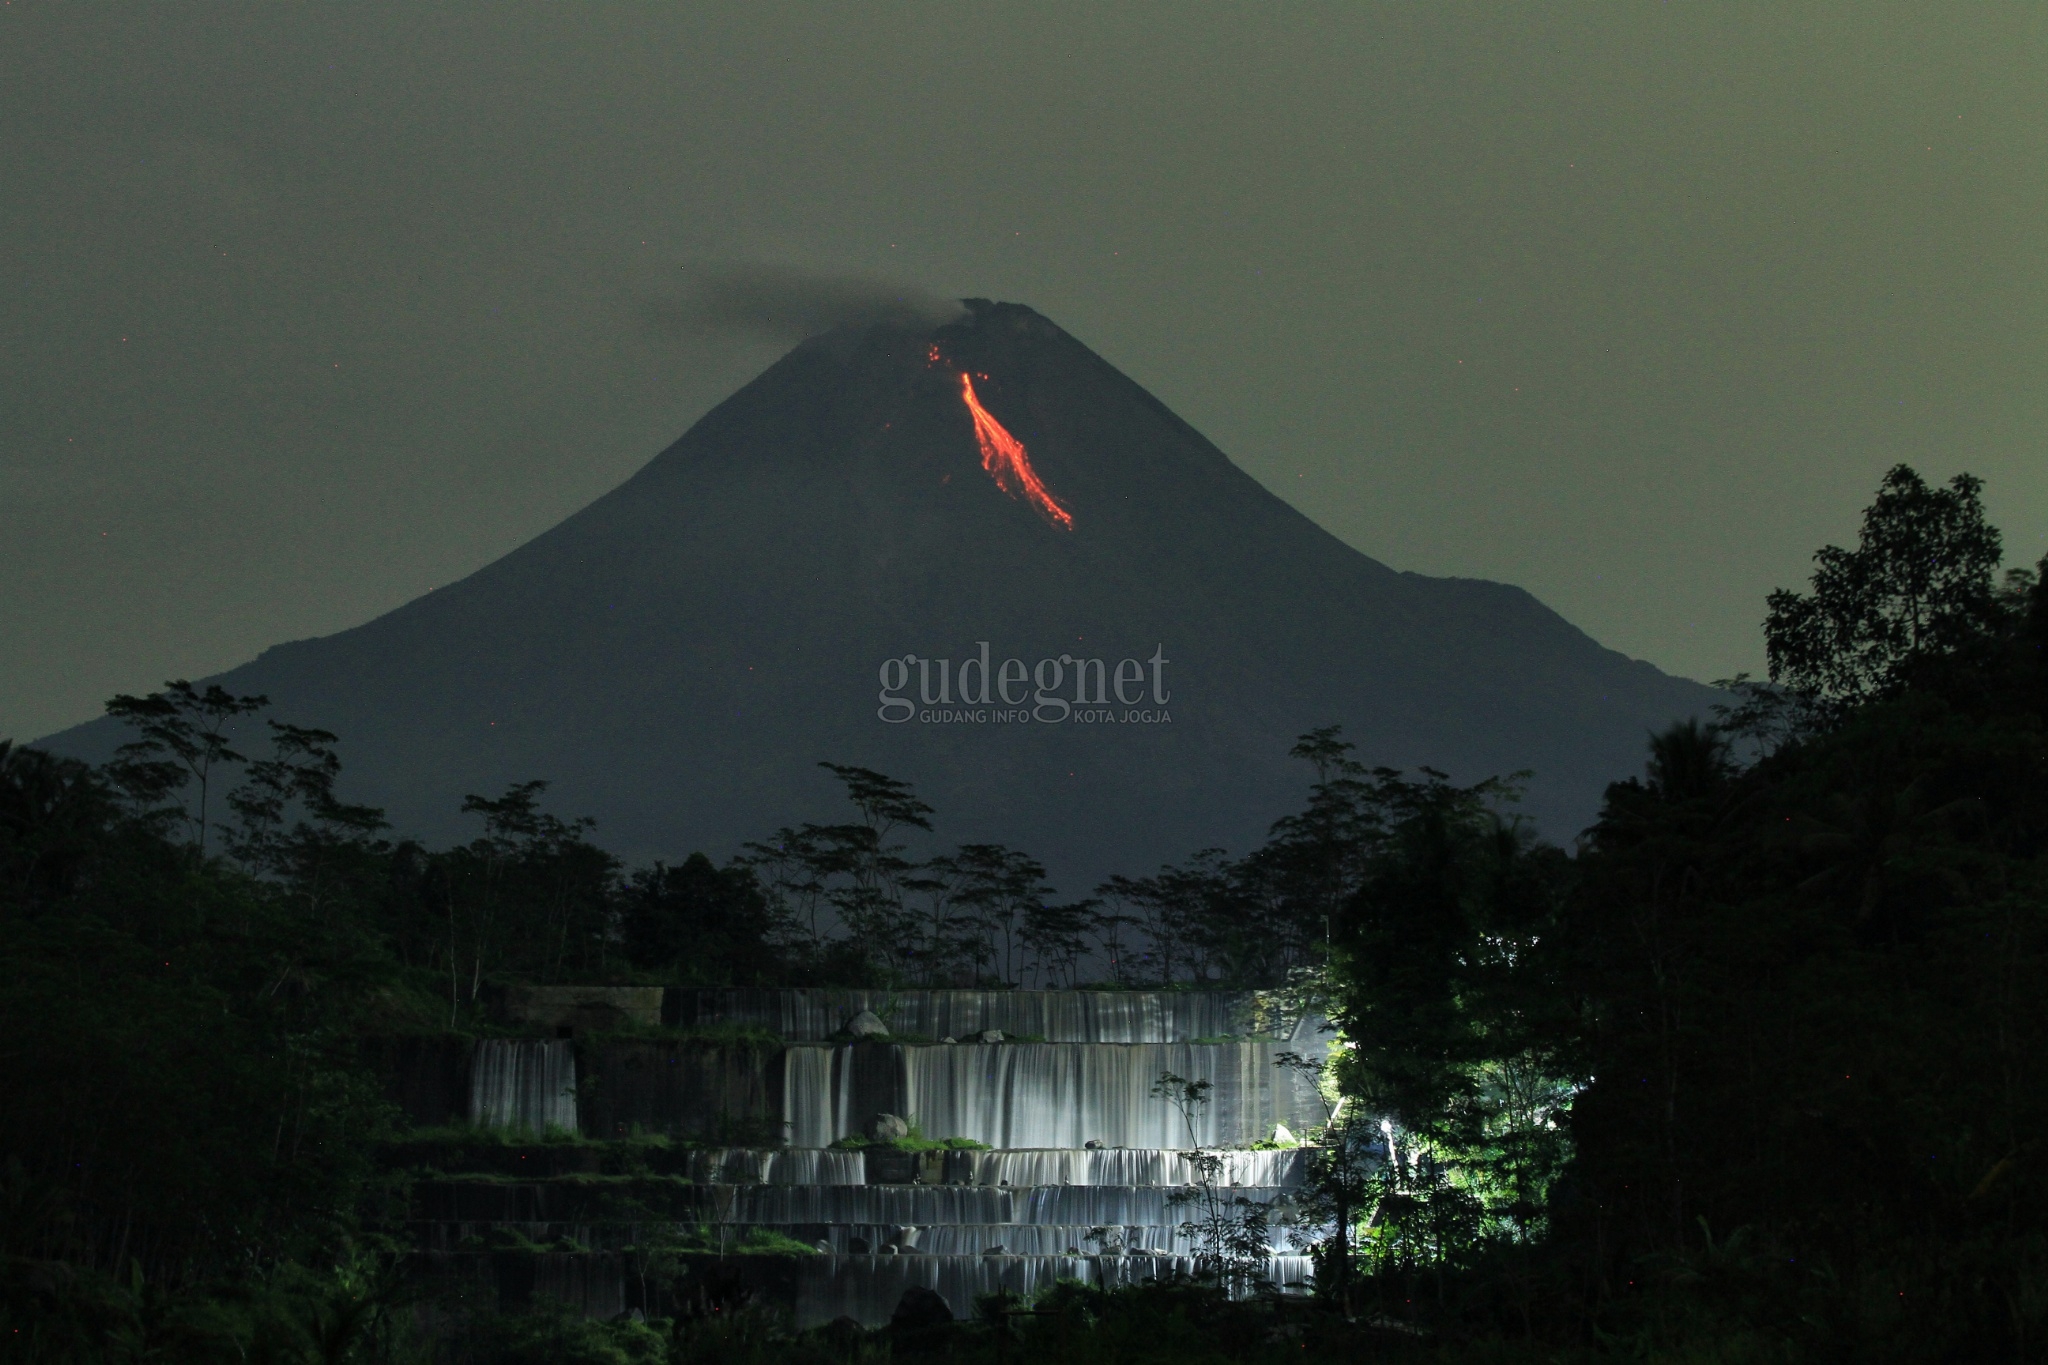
(888, 1127)
(994, 1035)
(920, 1308)
(867, 1024)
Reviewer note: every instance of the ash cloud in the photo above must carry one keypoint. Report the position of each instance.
(787, 304)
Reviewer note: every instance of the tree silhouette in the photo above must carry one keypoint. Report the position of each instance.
(182, 738)
(1918, 585)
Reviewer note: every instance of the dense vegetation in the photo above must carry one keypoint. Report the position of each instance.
(1759, 1068)
(1752, 1072)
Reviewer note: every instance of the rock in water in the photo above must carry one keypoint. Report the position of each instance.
(867, 1024)
(994, 1035)
(888, 1127)
(726, 615)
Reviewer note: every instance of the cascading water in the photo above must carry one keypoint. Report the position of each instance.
(767, 1166)
(1089, 1174)
(1112, 1166)
(1055, 1016)
(1070, 1094)
(924, 1205)
(854, 1286)
(808, 1104)
(1062, 1095)
(526, 1084)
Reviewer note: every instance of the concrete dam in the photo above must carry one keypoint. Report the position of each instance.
(829, 1150)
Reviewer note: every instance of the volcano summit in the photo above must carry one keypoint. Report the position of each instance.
(1132, 630)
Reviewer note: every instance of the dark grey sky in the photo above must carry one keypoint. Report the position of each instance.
(308, 310)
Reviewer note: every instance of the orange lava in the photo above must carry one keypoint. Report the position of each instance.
(1002, 455)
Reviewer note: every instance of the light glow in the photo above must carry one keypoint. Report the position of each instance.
(1004, 457)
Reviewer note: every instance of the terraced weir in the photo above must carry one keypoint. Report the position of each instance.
(1061, 1162)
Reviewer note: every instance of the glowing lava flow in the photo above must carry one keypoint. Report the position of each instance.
(1002, 455)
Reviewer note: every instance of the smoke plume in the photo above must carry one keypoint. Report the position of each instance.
(788, 304)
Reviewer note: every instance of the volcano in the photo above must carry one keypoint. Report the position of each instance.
(848, 561)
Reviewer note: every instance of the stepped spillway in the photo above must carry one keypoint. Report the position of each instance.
(1084, 1173)
(1056, 1095)
(524, 1084)
(1053, 1016)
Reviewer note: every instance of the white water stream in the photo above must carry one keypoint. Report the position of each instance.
(1087, 1175)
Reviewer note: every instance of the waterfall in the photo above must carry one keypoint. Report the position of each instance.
(809, 1108)
(929, 1205)
(1024, 1239)
(477, 1201)
(770, 1166)
(523, 1083)
(1067, 1095)
(1041, 1094)
(1017, 1167)
(1118, 1166)
(864, 1287)
(1056, 1016)
(1015, 1216)
(852, 1286)
(831, 1092)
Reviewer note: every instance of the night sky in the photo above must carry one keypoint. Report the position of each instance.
(310, 310)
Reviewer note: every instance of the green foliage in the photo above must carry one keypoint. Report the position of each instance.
(701, 925)
(174, 1113)
(755, 1335)
(913, 1141)
(1786, 1000)
(1809, 1019)
(551, 1333)
(769, 1242)
(1162, 1322)
(1459, 1043)
(60, 1313)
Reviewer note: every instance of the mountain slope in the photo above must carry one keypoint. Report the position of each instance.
(677, 656)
